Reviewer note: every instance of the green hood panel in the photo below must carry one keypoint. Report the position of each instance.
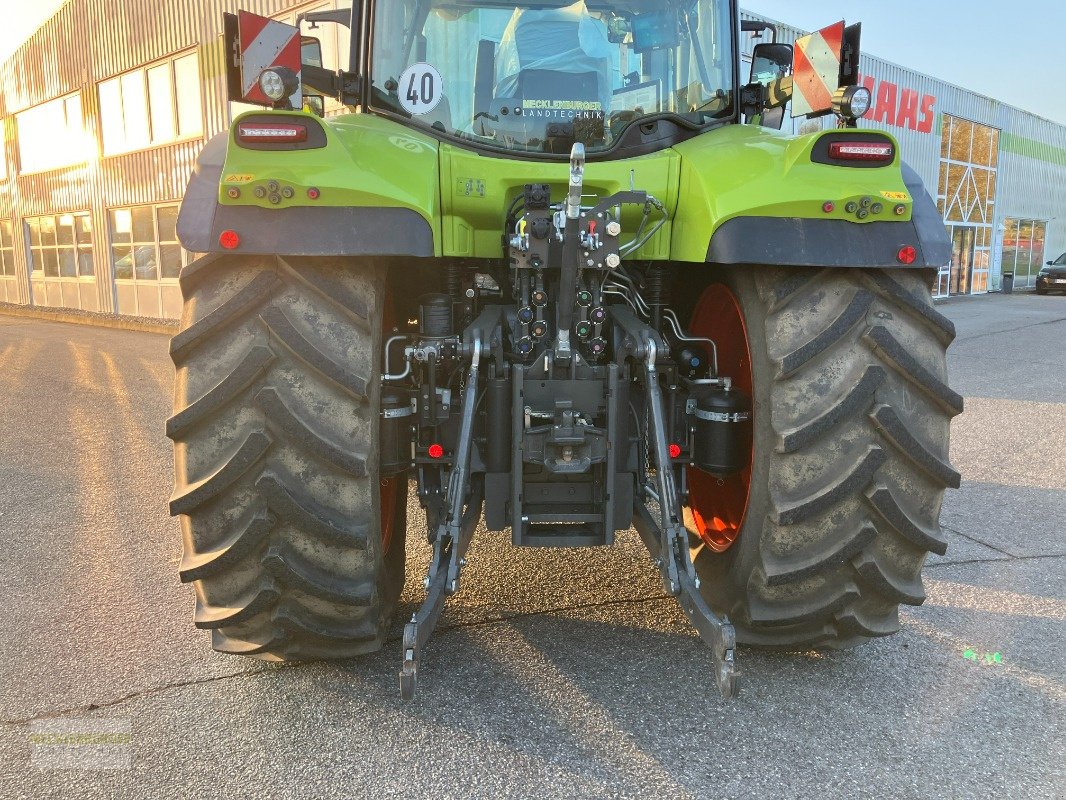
(734, 171)
(744, 170)
(477, 190)
(368, 162)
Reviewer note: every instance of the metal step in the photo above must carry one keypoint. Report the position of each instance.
(547, 534)
(563, 519)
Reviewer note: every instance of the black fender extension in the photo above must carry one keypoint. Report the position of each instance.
(801, 242)
(298, 231)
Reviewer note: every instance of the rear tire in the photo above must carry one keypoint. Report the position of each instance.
(850, 455)
(276, 457)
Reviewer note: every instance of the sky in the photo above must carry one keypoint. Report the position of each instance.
(1002, 50)
(993, 48)
(21, 19)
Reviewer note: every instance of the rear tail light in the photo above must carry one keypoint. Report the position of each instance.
(862, 151)
(271, 133)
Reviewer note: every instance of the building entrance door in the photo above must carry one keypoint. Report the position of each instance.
(969, 159)
(1023, 249)
(963, 240)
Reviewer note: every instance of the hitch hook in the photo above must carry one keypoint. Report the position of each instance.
(667, 540)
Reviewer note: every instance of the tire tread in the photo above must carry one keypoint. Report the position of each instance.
(857, 462)
(281, 571)
(260, 289)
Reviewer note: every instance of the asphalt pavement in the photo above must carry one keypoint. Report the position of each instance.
(555, 673)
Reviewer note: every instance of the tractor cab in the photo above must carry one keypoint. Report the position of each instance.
(619, 77)
(537, 77)
(529, 77)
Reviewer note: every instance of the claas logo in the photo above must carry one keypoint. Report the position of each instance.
(901, 108)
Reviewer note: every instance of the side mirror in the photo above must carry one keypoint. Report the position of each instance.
(1051, 263)
(311, 56)
(311, 51)
(770, 63)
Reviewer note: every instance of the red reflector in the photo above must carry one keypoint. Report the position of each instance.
(266, 133)
(828, 207)
(436, 451)
(861, 151)
(313, 193)
(675, 451)
(907, 255)
(229, 240)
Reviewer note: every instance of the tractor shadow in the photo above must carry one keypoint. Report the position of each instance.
(621, 694)
(594, 670)
(577, 659)
(615, 695)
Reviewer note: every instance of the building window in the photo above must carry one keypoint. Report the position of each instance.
(3, 152)
(1023, 249)
(52, 135)
(61, 246)
(969, 161)
(144, 243)
(7, 248)
(151, 106)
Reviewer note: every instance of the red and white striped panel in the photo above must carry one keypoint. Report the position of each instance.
(816, 70)
(266, 43)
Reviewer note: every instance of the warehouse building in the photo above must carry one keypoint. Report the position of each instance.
(105, 108)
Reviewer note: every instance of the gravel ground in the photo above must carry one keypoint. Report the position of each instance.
(555, 674)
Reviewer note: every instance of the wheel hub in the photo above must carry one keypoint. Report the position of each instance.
(718, 505)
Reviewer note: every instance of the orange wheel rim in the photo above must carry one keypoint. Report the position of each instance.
(719, 506)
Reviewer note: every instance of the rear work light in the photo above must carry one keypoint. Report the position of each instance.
(862, 151)
(271, 133)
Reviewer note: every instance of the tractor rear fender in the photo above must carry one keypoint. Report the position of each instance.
(750, 196)
(351, 193)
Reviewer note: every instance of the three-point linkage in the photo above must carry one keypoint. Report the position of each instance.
(452, 537)
(556, 407)
(667, 540)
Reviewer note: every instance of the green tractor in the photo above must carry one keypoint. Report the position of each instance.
(553, 266)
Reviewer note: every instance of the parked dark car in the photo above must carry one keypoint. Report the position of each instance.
(1052, 278)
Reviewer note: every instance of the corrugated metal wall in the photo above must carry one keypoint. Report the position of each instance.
(1032, 177)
